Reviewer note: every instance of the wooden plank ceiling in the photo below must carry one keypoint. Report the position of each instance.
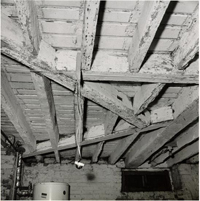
(101, 79)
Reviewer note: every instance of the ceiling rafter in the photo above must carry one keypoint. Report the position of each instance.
(147, 145)
(79, 107)
(116, 135)
(188, 45)
(13, 47)
(27, 17)
(107, 96)
(97, 152)
(146, 94)
(186, 137)
(187, 152)
(45, 95)
(109, 122)
(13, 110)
(148, 23)
(91, 12)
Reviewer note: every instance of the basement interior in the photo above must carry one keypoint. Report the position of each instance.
(99, 100)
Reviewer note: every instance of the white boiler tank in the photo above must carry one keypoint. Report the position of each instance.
(51, 191)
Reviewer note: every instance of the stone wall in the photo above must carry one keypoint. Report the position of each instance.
(7, 164)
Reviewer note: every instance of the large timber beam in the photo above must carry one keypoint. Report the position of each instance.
(110, 98)
(146, 146)
(188, 136)
(187, 152)
(148, 23)
(89, 32)
(109, 122)
(13, 46)
(45, 95)
(27, 17)
(97, 152)
(141, 77)
(79, 107)
(64, 144)
(145, 95)
(13, 110)
(188, 45)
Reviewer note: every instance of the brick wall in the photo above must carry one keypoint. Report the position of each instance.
(94, 181)
(7, 164)
(189, 176)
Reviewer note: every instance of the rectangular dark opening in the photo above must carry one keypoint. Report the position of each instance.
(135, 181)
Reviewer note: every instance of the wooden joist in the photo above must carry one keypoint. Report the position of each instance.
(108, 97)
(124, 144)
(144, 148)
(187, 152)
(98, 150)
(110, 121)
(145, 95)
(113, 136)
(148, 23)
(27, 17)
(141, 77)
(13, 110)
(186, 137)
(45, 95)
(13, 46)
(79, 107)
(89, 32)
(188, 45)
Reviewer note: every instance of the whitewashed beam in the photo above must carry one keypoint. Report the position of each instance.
(89, 31)
(186, 137)
(193, 159)
(27, 17)
(108, 97)
(12, 108)
(116, 135)
(13, 45)
(97, 152)
(148, 23)
(79, 107)
(184, 154)
(141, 77)
(45, 95)
(145, 95)
(161, 114)
(109, 122)
(144, 148)
(186, 96)
(188, 45)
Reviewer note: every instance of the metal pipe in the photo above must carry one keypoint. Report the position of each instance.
(8, 140)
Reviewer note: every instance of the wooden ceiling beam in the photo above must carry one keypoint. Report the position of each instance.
(148, 23)
(145, 95)
(188, 45)
(116, 135)
(144, 148)
(187, 152)
(98, 150)
(89, 32)
(45, 95)
(13, 110)
(186, 137)
(109, 122)
(27, 17)
(13, 46)
(79, 107)
(108, 97)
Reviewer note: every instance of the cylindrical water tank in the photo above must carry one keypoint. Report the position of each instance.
(51, 191)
